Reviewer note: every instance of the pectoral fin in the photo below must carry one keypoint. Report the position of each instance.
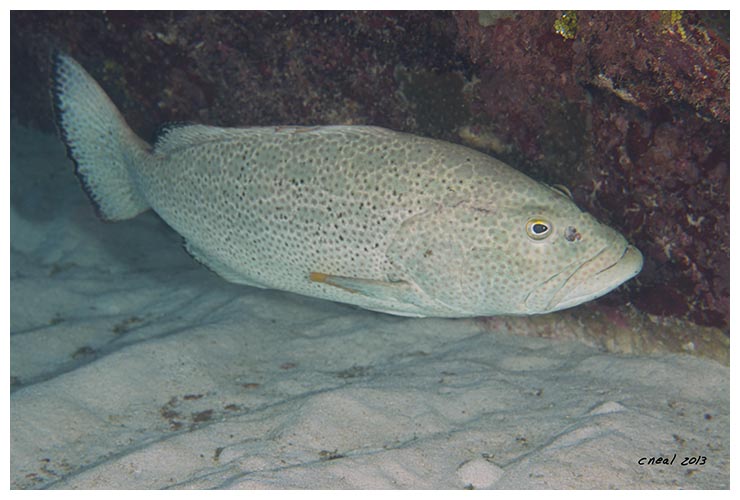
(400, 291)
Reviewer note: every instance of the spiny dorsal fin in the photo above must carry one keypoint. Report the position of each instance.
(175, 135)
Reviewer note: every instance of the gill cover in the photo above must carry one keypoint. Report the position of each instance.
(443, 251)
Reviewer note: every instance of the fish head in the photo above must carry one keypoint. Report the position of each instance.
(516, 254)
(569, 258)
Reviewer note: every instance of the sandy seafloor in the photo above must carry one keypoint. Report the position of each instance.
(134, 367)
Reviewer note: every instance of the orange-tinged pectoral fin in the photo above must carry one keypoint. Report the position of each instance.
(337, 281)
(318, 277)
(398, 290)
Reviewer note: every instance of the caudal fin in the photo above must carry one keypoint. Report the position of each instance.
(105, 150)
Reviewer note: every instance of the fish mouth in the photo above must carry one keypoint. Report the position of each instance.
(597, 276)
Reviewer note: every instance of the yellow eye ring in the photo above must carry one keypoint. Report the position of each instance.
(538, 229)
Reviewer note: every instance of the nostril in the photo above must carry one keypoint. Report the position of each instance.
(572, 234)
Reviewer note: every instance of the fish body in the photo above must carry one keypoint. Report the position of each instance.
(384, 220)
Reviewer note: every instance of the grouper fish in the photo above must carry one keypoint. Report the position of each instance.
(384, 220)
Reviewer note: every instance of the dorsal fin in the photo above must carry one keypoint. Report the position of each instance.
(172, 136)
(166, 128)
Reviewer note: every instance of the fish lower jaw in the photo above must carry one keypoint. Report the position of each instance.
(600, 283)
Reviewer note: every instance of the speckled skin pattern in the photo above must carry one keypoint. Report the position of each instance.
(384, 220)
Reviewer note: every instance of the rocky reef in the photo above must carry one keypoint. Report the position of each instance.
(630, 110)
(236, 68)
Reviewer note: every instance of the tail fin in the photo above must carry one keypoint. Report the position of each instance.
(105, 150)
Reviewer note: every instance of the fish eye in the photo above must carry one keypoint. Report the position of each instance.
(538, 229)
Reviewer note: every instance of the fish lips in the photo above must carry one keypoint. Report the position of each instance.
(585, 284)
(597, 276)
